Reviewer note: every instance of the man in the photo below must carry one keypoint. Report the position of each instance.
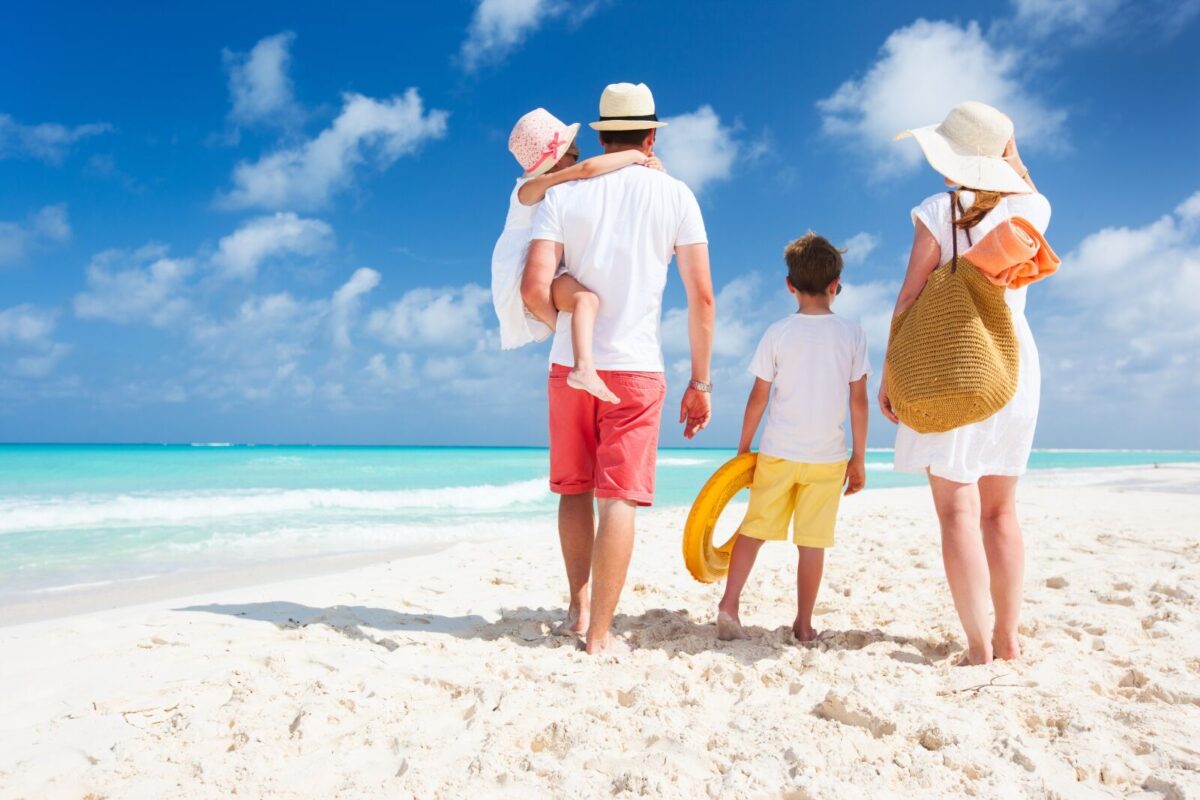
(616, 234)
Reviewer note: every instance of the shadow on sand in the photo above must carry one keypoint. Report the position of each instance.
(674, 632)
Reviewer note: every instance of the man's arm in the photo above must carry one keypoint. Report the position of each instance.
(696, 408)
(540, 265)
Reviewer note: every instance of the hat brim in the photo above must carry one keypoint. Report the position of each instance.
(969, 170)
(548, 164)
(626, 125)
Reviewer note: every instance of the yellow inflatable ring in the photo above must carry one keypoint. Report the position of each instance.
(705, 562)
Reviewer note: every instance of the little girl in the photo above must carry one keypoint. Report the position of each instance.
(545, 148)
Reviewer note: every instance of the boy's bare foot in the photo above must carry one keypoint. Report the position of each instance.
(1006, 648)
(729, 628)
(608, 646)
(804, 633)
(587, 380)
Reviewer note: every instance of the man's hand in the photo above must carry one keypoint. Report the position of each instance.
(695, 411)
(856, 475)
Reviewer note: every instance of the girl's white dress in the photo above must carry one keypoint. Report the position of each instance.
(517, 326)
(1000, 444)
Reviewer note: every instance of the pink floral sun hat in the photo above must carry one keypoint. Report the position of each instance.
(539, 140)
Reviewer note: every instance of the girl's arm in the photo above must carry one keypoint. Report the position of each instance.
(532, 191)
(756, 404)
(922, 261)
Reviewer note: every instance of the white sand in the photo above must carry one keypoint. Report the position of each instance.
(434, 676)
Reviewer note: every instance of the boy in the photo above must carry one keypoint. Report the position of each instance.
(815, 361)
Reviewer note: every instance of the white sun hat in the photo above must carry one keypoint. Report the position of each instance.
(627, 107)
(968, 148)
(539, 140)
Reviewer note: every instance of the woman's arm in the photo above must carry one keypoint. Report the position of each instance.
(1014, 160)
(532, 191)
(756, 404)
(922, 261)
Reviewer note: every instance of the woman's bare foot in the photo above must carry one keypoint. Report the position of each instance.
(575, 624)
(608, 646)
(729, 628)
(974, 658)
(587, 380)
(1006, 648)
(803, 632)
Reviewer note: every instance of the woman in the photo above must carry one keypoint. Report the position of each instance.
(973, 470)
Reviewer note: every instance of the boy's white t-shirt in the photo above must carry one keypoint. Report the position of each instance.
(619, 232)
(810, 360)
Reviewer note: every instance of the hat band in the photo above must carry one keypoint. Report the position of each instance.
(640, 118)
(548, 151)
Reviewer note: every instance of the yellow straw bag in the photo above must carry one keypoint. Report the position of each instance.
(952, 356)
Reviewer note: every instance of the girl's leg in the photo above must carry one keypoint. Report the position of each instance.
(572, 296)
(1005, 548)
(741, 561)
(809, 566)
(966, 565)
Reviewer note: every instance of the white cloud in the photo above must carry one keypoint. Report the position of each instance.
(859, 246)
(1044, 17)
(447, 317)
(345, 303)
(500, 26)
(1125, 319)
(139, 287)
(259, 87)
(306, 176)
(47, 226)
(240, 253)
(27, 330)
(923, 71)
(1083, 21)
(49, 141)
(697, 148)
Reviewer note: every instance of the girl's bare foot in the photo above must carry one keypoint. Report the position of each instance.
(587, 380)
(609, 646)
(803, 632)
(729, 628)
(1007, 648)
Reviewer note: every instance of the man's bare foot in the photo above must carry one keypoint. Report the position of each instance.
(608, 646)
(587, 380)
(1006, 648)
(804, 633)
(576, 624)
(729, 628)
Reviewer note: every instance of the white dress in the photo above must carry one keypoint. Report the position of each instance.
(1000, 444)
(517, 326)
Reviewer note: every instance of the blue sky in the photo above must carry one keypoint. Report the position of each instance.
(272, 222)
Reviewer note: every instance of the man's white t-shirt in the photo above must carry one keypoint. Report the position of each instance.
(619, 232)
(810, 360)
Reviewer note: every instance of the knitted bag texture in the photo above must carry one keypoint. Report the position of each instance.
(952, 356)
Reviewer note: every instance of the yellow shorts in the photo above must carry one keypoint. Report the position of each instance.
(807, 493)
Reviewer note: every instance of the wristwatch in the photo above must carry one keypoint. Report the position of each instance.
(700, 386)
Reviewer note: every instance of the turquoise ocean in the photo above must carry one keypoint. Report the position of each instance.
(83, 515)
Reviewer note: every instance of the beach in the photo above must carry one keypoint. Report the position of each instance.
(435, 675)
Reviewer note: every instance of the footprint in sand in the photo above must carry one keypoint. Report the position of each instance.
(1056, 582)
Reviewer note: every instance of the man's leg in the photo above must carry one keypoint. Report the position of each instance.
(610, 562)
(576, 533)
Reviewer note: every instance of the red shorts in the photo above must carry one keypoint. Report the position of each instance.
(606, 447)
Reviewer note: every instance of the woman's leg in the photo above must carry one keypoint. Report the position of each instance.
(573, 297)
(966, 564)
(1005, 549)
(741, 561)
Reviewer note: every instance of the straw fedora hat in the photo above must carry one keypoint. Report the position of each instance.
(627, 107)
(539, 140)
(968, 148)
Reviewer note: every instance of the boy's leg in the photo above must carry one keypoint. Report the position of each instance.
(741, 561)
(809, 567)
(573, 297)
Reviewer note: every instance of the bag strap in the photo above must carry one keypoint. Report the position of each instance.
(953, 230)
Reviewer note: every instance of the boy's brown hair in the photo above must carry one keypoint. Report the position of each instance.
(813, 263)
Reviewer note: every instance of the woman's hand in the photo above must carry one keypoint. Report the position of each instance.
(885, 404)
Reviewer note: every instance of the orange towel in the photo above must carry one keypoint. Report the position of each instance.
(1013, 254)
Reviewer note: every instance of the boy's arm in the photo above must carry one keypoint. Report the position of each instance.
(532, 191)
(856, 469)
(756, 404)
